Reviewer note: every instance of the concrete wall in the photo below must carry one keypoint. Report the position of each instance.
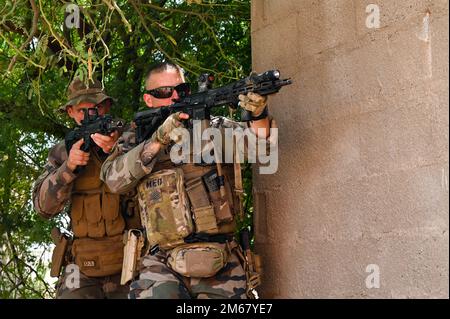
(363, 142)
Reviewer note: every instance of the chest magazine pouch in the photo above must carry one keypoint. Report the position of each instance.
(198, 260)
(114, 221)
(202, 210)
(99, 257)
(95, 212)
(92, 210)
(78, 220)
(221, 205)
(96, 215)
(164, 208)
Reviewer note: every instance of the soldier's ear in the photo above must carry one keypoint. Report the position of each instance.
(70, 111)
(104, 107)
(148, 100)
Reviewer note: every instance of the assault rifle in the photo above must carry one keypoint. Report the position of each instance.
(92, 123)
(198, 105)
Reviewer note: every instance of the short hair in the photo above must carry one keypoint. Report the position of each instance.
(161, 67)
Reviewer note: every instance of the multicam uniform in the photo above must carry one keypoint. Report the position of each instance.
(97, 223)
(190, 226)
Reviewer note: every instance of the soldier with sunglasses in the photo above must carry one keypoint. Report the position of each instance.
(93, 259)
(189, 224)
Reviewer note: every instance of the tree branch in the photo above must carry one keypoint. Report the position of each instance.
(30, 35)
(53, 43)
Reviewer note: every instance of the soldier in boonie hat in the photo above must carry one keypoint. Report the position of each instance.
(79, 92)
(96, 250)
(82, 95)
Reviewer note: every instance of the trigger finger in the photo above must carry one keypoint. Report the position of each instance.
(176, 116)
(184, 116)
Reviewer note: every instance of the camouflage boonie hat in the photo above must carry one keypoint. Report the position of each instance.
(78, 92)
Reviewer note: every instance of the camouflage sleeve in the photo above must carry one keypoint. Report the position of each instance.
(52, 189)
(127, 164)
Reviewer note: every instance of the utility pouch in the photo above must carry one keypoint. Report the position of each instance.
(164, 208)
(203, 212)
(197, 193)
(199, 260)
(99, 257)
(59, 252)
(221, 206)
(134, 241)
(205, 220)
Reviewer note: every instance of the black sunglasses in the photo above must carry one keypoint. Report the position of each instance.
(164, 92)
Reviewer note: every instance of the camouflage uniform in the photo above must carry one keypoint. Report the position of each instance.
(58, 186)
(107, 287)
(52, 192)
(53, 188)
(122, 172)
(158, 281)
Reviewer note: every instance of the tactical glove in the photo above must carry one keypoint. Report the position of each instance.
(162, 134)
(253, 102)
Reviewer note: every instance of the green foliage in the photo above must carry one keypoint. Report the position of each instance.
(22, 232)
(40, 55)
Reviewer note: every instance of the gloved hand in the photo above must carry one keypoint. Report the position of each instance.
(253, 102)
(162, 134)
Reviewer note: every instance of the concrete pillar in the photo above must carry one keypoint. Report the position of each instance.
(362, 183)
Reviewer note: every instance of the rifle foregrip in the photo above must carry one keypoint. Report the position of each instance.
(246, 116)
(85, 147)
(87, 141)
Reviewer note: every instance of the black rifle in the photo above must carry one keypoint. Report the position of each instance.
(92, 123)
(198, 105)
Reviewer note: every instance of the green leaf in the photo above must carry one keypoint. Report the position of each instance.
(171, 39)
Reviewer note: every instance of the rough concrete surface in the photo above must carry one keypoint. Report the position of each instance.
(363, 149)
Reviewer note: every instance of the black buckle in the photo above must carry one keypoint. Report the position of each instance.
(206, 238)
(221, 180)
(154, 250)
